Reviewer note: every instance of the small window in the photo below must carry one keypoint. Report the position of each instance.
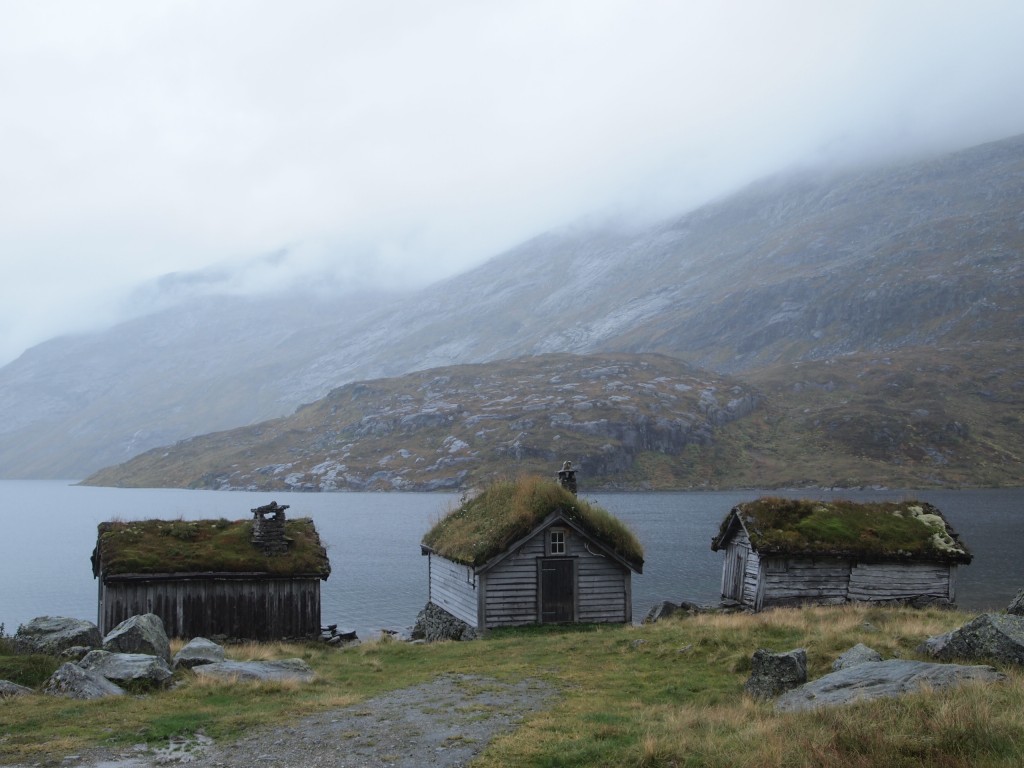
(557, 543)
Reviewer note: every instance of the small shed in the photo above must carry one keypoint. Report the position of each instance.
(530, 552)
(789, 552)
(256, 579)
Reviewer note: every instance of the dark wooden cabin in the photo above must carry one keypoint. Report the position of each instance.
(790, 552)
(257, 579)
(530, 552)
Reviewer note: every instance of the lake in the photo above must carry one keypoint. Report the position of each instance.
(379, 578)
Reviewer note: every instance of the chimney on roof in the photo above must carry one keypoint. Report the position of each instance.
(567, 477)
(268, 528)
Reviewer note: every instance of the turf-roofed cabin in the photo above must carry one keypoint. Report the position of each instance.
(529, 552)
(257, 579)
(789, 551)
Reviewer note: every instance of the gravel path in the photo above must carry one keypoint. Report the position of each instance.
(440, 724)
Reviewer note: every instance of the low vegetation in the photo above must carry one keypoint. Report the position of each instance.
(507, 510)
(187, 546)
(668, 694)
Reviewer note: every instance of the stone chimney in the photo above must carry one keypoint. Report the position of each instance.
(567, 477)
(268, 528)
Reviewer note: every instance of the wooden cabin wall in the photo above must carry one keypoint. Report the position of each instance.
(510, 588)
(264, 609)
(453, 587)
(741, 572)
(603, 590)
(795, 581)
(902, 581)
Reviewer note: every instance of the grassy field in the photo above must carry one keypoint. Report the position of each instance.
(668, 694)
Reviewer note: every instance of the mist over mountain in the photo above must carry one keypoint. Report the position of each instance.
(799, 267)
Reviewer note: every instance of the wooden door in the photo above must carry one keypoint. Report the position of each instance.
(557, 590)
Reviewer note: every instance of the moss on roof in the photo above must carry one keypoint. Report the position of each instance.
(881, 530)
(505, 511)
(199, 546)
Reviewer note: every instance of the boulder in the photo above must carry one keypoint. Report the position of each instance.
(772, 673)
(660, 611)
(996, 636)
(198, 651)
(138, 670)
(1016, 607)
(72, 681)
(434, 623)
(894, 677)
(859, 654)
(285, 669)
(51, 635)
(9, 690)
(139, 634)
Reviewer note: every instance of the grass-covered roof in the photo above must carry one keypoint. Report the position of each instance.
(201, 546)
(889, 530)
(505, 511)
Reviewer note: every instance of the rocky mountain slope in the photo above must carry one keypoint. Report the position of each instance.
(797, 268)
(947, 417)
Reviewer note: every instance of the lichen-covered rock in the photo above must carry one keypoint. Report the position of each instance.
(859, 654)
(434, 623)
(884, 679)
(9, 690)
(774, 673)
(1016, 607)
(285, 669)
(51, 635)
(198, 651)
(139, 634)
(139, 670)
(72, 681)
(989, 636)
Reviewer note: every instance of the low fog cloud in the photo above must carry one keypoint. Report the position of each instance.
(401, 142)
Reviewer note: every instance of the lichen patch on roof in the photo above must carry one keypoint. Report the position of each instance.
(200, 546)
(484, 526)
(908, 530)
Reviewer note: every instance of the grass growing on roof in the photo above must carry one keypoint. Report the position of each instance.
(507, 510)
(191, 546)
(878, 529)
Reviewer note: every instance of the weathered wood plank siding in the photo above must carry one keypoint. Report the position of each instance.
(602, 590)
(901, 581)
(511, 587)
(263, 609)
(453, 587)
(796, 581)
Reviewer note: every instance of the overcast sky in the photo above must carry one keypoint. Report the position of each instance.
(410, 140)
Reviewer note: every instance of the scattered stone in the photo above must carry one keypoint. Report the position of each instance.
(139, 634)
(9, 690)
(989, 636)
(434, 623)
(198, 651)
(859, 654)
(51, 635)
(773, 673)
(660, 611)
(245, 671)
(135, 669)
(637, 644)
(72, 681)
(1016, 607)
(75, 653)
(884, 679)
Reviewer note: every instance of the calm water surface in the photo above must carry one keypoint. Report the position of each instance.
(379, 578)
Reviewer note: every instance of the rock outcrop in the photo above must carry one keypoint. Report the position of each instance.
(134, 670)
(867, 681)
(52, 635)
(773, 673)
(139, 634)
(434, 623)
(989, 636)
(196, 652)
